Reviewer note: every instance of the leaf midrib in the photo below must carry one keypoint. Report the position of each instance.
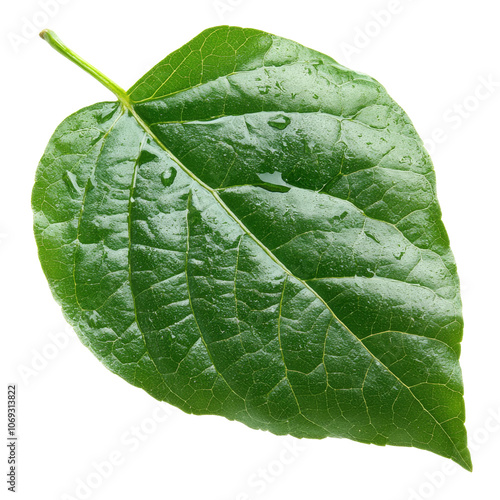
(266, 250)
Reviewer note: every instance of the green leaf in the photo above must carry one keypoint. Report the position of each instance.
(253, 231)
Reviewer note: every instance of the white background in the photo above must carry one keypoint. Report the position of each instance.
(433, 57)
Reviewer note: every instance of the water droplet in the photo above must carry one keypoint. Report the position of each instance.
(372, 237)
(168, 176)
(105, 114)
(274, 182)
(92, 318)
(263, 89)
(92, 183)
(145, 157)
(69, 179)
(279, 86)
(342, 216)
(400, 255)
(280, 122)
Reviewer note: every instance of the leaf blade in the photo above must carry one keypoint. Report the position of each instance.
(248, 278)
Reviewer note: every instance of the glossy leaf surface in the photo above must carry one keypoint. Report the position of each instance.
(253, 231)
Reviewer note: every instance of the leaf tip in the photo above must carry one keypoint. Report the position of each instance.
(464, 460)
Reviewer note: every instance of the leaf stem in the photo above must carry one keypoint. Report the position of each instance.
(55, 42)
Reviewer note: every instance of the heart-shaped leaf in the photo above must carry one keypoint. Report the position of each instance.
(253, 231)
